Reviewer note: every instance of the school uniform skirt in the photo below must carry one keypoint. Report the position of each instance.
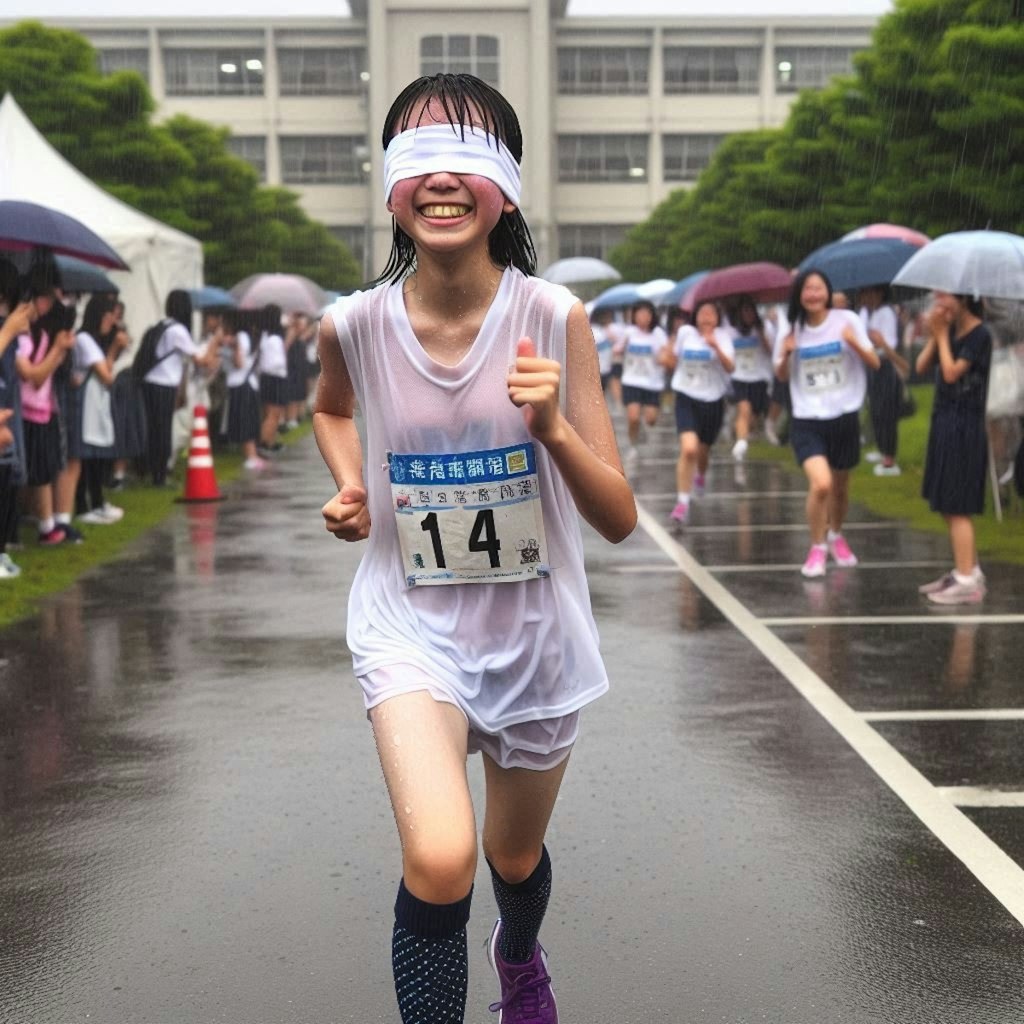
(243, 414)
(128, 407)
(44, 458)
(297, 373)
(956, 462)
(273, 390)
(77, 447)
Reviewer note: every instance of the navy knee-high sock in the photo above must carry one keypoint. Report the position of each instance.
(522, 906)
(429, 959)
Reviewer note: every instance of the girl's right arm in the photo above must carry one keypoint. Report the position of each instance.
(37, 374)
(346, 514)
(786, 350)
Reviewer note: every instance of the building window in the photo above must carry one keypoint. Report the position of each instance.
(590, 70)
(685, 156)
(323, 159)
(353, 236)
(253, 150)
(602, 158)
(321, 72)
(810, 67)
(213, 72)
(712, 69)
(125, 60)
(589, 239)
(463, 55)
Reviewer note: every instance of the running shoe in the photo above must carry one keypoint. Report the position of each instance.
(8, 570)
(526, 993)
(112, 512)
(680, 513)
(881, 469)
(875, 456)
(739, 449)
(946, 580)
(54, 537)
(972, 592)
(841, 553)
(771, 434)
(815, 564)
(96, 517)
(255, 463)
(699, 485)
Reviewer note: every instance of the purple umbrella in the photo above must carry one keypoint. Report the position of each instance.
(763, 282)
(292, 292)
(28, 226)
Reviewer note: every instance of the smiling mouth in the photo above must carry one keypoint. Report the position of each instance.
(446, 211)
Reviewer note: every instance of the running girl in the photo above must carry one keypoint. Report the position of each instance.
(752, 373)
(702, 360)
(469, 619)
(643, 379)
(960, 346)
(825, 359)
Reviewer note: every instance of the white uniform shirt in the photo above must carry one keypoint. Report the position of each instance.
(273, 357)
(604, 349)
(827, 378)
(237, 376)
(640, 367)
(178, 342)
(884, 321)
(513, 652)
(699, 372)
(85, 354)
(753, 359)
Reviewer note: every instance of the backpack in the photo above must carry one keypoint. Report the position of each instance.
(145, 358)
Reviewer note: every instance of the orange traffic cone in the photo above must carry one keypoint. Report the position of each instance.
(200, 480)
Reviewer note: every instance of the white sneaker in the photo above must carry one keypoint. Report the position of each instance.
(873, 457)
(739, 449)
(94, 518)
(255, 463)
(8, 570)
(112, 512)
(770, 433)
(881, 469)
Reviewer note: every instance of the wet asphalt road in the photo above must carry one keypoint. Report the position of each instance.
(193, 825)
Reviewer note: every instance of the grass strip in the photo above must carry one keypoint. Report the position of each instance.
(48, 570)
(899, 497)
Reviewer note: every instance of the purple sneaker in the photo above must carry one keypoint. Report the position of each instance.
(526, 993)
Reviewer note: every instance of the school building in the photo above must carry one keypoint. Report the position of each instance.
(617, 111)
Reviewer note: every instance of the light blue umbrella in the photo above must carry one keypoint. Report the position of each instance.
(977, 263)
(616, 297)
(210, 297)
(675, 296)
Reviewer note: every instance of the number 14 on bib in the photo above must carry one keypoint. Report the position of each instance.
(469, 517)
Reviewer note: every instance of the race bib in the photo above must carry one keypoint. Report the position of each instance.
(470, 517)
(639, 362)
(822, 367)
(746, 355)
(697, 367)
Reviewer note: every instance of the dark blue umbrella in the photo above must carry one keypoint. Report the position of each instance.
(28, 226)
(79, 276)
(210, 297)
(674, 297)
(860, 263)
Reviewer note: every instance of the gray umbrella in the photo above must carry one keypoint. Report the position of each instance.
(976, 263)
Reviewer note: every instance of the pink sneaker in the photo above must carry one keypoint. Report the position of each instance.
(815, 564)
(680, 513)
(55, 536)
(841, 553)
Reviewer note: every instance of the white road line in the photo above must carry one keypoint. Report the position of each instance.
(724, 495)
(783, 528)
(980, 855)
(976, 796)
(795, 566)
(938, 618)
(950, 715)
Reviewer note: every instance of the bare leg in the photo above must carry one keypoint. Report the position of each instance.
(744, 414)
(633, 422)
(650, 415)
(271, 421)
(839, 499)
(686, 467)
(819, 480)
(422, 743)
(961, 539)
(703, 458)
(64, 488)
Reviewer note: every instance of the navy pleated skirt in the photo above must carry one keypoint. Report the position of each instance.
(243, 414)
(956, 463)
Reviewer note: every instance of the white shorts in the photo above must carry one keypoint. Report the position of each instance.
(539, 744)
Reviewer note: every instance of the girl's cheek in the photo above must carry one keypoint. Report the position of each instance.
(489, 198)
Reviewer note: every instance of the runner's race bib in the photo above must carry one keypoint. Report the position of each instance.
(471, 517)
(746, 354)
(639, 362)
(697, 367)
(822, 367)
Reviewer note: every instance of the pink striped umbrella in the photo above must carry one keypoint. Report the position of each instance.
(882, 230)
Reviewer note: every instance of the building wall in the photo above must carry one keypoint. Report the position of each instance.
(605, 121)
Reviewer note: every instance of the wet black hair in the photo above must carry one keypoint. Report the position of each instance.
(884, 288)
(9, 281)
(179, 307)
(974, 306)
(649, 306)
(463, 98)
(713, 304)
(796, 314)
(41, 278)
(95, 309)
(269, 319)
(748, 300)
(229, 320)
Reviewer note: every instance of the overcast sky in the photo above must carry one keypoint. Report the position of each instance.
(275, 9)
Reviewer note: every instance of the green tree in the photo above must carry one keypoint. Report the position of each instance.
(181, 172)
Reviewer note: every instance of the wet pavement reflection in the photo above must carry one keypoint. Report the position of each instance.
(195, 828)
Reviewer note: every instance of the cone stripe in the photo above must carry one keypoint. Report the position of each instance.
(200, 462)
(199, 423)
(200, 444)
(200, 480)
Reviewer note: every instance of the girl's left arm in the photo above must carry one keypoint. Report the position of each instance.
(581, 442)
(952, 369)
(862, 346)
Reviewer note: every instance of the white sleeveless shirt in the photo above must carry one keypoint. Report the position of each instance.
(511, 651)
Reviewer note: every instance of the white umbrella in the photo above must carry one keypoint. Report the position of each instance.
(976, 263)
(580, 270)
(656, 290)
(292, 292)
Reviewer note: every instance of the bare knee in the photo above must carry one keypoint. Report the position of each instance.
(821, 490)
(513, 865)
(690, 447)
(440, 871)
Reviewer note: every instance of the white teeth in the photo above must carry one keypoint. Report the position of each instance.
(445, 211)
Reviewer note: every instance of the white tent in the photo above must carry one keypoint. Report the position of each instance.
(161, 258)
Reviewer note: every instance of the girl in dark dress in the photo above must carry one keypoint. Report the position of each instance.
(954, 477)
